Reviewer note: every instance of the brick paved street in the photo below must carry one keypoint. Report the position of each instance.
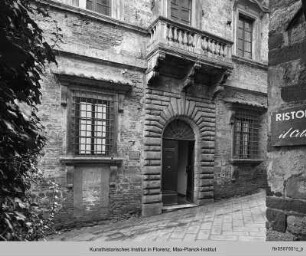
(236, 219)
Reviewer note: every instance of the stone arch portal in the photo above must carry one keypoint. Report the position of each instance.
(199, 116)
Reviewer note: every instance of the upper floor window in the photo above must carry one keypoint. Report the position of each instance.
(100, 6)
(244, 36)
(180, 10)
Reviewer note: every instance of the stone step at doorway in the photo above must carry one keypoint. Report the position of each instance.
(173, 201)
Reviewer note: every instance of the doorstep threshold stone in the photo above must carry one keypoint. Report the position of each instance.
(170, 208)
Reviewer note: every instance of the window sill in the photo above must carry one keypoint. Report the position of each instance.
(72, 160)
(246, 161)
(250, 62)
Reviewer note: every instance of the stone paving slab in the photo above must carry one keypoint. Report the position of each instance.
(235, 219)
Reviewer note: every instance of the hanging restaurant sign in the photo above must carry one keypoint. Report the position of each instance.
(288, 127)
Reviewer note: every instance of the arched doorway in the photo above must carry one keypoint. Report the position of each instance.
(178, 163)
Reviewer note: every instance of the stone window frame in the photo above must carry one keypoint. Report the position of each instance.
(256, 15)
(105, 87)
(91, 98)
(115, 6)
(87, 89)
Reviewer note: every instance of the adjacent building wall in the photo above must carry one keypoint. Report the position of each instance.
(286, 202)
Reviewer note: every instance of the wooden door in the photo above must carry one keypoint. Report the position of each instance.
(170, 159)
(190, 171)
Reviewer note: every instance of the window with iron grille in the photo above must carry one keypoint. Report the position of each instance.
(244, 36)
(246, 134)
(93, 124)
(180, 10)
(100, 6)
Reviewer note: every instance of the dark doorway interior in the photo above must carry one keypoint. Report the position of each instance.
(177, 173)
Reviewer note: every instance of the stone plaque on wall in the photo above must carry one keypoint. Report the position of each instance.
(134, 155)
(288, 127)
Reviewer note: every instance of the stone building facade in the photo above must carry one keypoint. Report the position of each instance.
(154, 103)
(286, 201)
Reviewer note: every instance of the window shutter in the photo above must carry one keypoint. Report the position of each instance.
(89, 4)
(103, 6)
(75, 2)
(185, 11)
(100, 6)
(181, 11)
(174, 10)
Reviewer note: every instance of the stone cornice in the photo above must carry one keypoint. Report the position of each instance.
(246, 161)
(262, 7)
(249, 62)
(76, 79)
(137, 66)
(72, 160)
(264, 94)
(253, 104)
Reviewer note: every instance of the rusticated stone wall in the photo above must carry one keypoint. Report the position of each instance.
(161, 107)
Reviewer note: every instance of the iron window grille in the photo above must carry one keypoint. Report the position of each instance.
(100, 6)
(244, 36)
(180, 11)
(246, 134)
(93, 124)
